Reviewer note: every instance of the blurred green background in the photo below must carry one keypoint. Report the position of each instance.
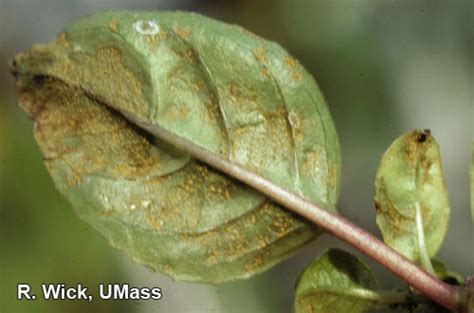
(385, 67)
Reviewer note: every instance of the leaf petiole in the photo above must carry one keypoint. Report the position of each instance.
(423, 251)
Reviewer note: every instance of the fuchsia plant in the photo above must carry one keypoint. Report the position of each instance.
(207, 153)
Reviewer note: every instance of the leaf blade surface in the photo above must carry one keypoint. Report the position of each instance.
(158, 204)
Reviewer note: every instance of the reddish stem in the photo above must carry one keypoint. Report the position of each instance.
(446, 295)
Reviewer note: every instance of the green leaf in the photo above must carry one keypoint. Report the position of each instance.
(222, 88)
(411, 200)
(338, 282)
(442, 272)
(440, 268)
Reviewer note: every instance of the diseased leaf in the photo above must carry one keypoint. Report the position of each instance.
(411, 200)
(217, 85)
(337, 282)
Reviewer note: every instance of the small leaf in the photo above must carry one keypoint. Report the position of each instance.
(411, 200)
(446, 275)
(439, 268)
(338, 282)
(216, 85)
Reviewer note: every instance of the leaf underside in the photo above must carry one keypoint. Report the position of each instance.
(409, 178)
(214, 84)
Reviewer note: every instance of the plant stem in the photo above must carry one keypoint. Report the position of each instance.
(446, 295)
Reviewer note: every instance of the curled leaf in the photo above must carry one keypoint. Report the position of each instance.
(411, 200)
(216, 85)
(338, 282)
